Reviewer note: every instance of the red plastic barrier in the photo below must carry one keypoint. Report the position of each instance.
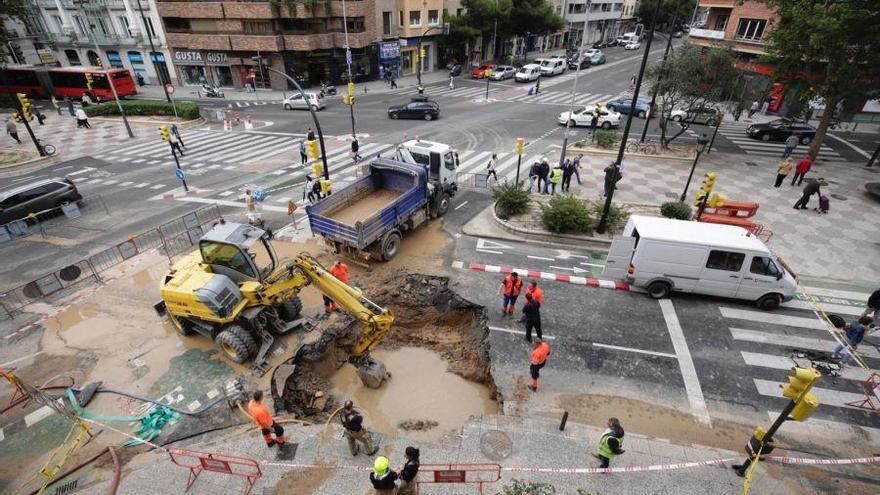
(197, 462)
(466, 473)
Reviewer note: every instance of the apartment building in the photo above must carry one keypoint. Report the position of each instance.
(400, 25)
(82, 32)
(596, 20)
(745, 24)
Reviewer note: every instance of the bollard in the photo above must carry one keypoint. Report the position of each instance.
(247, 116)
(564, 420)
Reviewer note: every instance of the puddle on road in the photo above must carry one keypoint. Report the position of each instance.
(421, 389)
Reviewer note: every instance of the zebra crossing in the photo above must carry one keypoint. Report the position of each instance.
(459, 92)
(771, 343)
(90, 176)
(561, 98)
(518, 94)
(736, 133)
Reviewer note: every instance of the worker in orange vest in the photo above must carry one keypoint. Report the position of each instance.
(340, 271)
(510, 288)
(536, 293)
(260, 414)
(540, 351)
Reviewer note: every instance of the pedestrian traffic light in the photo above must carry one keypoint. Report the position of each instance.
(716, 200)
(805, 407)
(698, 200)
(25, 106)
(709, 182)
(312, 147)
(520, 145)
(90, 82)
(800, 383)
(165, 133)
(350, 89)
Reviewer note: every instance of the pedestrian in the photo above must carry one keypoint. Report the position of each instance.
(543, 174)
(393, 80)
(567, 172)
(510, 288)
(383, 478)
(800, 170)
(249, 202)
(537, 360)
(340, 271)
(610, 443)
(310, 134)
(70, 109)
(409, 472)
(873, 305)
(41, 117)
(355, 147)
(175, 145)
(451, 81)
(810, 189)
(555, 178)
(532, 311)
(753, 108)
(855, 332)
(782, 171)
(56, 105)
(790, 144)
(176, 132)
(86, 100)
(355, 431)
(765, 105)
(612, 177)
(534, 175)
(538, 85)
(535, 291)
(576, 165)
(82, 120)
(12, 130)
(632, 82)
(491, 167)
(310, 189)
(303, 156)
(267, 425)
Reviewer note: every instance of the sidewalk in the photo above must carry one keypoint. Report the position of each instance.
(526, 443)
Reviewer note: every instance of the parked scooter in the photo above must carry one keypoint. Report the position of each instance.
(327, 90)
(212, 91)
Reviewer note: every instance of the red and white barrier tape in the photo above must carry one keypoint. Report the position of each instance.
(559, 277)
(624, 469)
(837, 335)
(823, 462)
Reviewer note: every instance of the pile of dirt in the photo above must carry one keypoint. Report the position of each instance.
(417, 425)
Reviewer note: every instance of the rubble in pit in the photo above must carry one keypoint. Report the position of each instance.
(427, 314)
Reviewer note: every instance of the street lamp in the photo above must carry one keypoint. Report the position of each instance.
(348, 62)
(702, 141)
(152, 51)
(445, 30)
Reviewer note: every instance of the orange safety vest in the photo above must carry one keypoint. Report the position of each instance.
(540, 353)
(261, 415)
(537, 294)
(512, 288)
(340, 271)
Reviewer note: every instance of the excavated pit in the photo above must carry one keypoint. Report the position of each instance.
(437, 350)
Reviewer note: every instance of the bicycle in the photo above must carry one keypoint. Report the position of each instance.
(47, 148)
(636, 146)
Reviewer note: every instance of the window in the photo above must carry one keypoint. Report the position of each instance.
(415, 18)
(151, 31)
(356, 25)
(123, 22)
(257, 27)
(433, 17)
(762, 265)
(449, 161)
(721, 22)
(72, 57)
(115, 59)
(58, 24)
(400, 20)
(104, 26)
(725, 260)
(618, 7)
(577, 8)
(80, 24)
(606, 7)
(386, 23)
(751, 29)
(459, 12)
(177, 24)
(215, 253)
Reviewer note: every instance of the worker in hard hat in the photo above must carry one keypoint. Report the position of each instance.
(383, 477)
(355, 431)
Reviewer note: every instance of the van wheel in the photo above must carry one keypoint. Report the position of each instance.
(606, 125)
(659, 290)
(236, 343)
(390, 245)
(769, 302)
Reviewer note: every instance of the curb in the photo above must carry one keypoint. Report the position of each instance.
(559, 277)
(33, 162)
(562, 238)
(630, 155)
(183, 125)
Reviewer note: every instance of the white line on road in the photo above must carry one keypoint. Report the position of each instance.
(776, 319)
(157, 186)
(843, 294)
(793, 342)
(827, 396)
(591, 264)
(235, 204)
(630, 349)
(459, 206)
(126, 184)
(685, 362)
(785, 363)
(827, 307)
(63, 168)
(83, 171)
(142, 184)
(540, 258)
(488, 251)
(518, 332)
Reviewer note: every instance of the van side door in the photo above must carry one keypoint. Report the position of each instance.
(761, 278)
(722, 273)
(619, 256)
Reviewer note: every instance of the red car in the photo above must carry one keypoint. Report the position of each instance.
(481, 72)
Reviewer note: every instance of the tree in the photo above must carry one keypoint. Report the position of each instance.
(10, 10)
(692, 77)
(533, 16)
(669, 11)
(827, 49)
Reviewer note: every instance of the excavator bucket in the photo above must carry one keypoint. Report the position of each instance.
(373, 373)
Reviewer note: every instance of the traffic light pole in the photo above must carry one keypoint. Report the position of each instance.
(783, 416)
(27, 126)
(577, 73)
(177, 162)
(152, 51)
(518, 163)
(690, 176)
(348, 62)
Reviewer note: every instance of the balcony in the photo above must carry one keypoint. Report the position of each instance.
(706, 33)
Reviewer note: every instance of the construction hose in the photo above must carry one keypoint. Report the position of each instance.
(197, 412)
(76, 468)
(117, 475)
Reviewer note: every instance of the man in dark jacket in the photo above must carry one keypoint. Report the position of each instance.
(534, 174)
(612, 176)
(383, 477)
(567, 172)
(532, 312)
(409, 472)
(873, 305)
(355, 431)
(543, 175)
(809, 190)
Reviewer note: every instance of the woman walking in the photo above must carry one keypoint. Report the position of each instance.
(491, 167)
(409, 472)
(782, 171)
(610, 443)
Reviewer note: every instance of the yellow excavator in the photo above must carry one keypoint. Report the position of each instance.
(235, 291)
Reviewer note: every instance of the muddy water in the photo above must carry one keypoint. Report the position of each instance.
(420, 390)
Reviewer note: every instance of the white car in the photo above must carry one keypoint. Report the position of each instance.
(632, 45)
(552, 66)
(583, 116)
(295, 101)
(503, 72)
(528, 72)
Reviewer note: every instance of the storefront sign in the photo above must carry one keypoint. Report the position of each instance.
(389, 50)
(217, 58)
(188, 56)
(47, 56)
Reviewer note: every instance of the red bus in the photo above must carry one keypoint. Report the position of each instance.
(66, 81)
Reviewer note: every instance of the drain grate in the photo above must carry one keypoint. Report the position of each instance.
(751, 164)
(496, 445)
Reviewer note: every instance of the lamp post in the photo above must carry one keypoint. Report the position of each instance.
(702, 141)
(659, 78)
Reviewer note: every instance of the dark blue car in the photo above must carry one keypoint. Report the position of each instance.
(622, 105)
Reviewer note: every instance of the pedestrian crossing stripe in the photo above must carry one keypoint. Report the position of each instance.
(792, 341)
(209, 146)
(561, 98)
(785, 363)
(827, 397)
(773, 318)
(827, 307)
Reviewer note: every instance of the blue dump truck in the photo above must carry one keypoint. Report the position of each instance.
(368, 218)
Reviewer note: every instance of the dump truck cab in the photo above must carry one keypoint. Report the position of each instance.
(439, 159)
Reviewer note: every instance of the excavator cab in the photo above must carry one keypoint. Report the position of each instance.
(239, 251)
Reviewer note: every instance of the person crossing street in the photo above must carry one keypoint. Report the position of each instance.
(355, 431)
(532, 313)
(538, 358)
(267, 425)
(176, 133)
(12, 130)
(510, 289)
(491, 167)
(340, 271)
(303, 156)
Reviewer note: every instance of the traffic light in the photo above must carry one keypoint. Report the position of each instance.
(348, 99)
(798, 390)
(25, 106)
(165, 133)
(312, 147)
(520, 145)
(805, 408)
(422, 53)
(351, 89)
(709, 182)
(16, 117)
(716, 200)
(698, 200)
(98, 63)
(90, 82)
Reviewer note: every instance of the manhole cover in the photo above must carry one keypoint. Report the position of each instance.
(496, 445)
(838, 197)
(751, 164)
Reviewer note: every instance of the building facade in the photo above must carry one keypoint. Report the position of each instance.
(744, 24)
(113, 33)
(598, 20)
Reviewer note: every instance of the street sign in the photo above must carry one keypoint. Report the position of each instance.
(180, 175)
(170, 88)
(348, 56)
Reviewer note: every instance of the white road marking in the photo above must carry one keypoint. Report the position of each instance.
(142, 184)
(827, 396)
(591, 264)
(2, 436)
(157, 186)
(796, 342)
(56, 170)
(83, 171)
(540, 258)
(110, 182)
(560, 267)
(489, 251)
(827, 307)
(832, 429)
(457, 264)
(786, 363)
(843, 294)
(236, 204)
(519, 332)
(192, 406)
(226, 193)
(38, 415)
(126, 184)
(685, 362)
(486, 244)
(213, 393)
(639, 351)
(459, 206)
(774, 318)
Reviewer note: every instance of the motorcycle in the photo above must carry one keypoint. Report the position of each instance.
(327, 90)
(212, 91)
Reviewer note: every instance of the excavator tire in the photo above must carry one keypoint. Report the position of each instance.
(290, 309)
(236, 343)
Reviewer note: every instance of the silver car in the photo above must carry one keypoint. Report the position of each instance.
(296, 101)
(503, 72)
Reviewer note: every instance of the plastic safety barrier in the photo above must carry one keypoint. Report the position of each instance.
(197, 462)
(466, 473)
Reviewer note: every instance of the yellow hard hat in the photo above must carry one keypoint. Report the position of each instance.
(380, 465)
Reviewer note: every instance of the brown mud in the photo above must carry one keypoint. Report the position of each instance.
(365, 207)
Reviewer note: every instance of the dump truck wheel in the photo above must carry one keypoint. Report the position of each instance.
(290, 310)
(443, 205)
(390, 245)
(233, 345)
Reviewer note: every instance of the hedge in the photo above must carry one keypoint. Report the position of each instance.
(510, 199)
(185, 110)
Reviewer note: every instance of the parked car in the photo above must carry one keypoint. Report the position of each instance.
(697, 115)
(596, 56)
(422, 109)
(552, 67)
(454, 69)
(480, 72)
(632, 45)
(295, 101)
(503, 72)
(622, 105)
(527, 73)
(677, 33)
(584, 63)
(20, 201)
(780, 129)
(583, 116)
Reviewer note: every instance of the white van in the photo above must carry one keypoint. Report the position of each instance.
(627, 38)
(552, 66)
(528, 72)
(664, 255)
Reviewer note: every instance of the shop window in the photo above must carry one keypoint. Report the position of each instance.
(192, 74)
(137, 61)
(115, 59)
(751, 29)
(356, 25)
(93, 58)
(433, 17)
(257, 27)
(223, 76)
(176, 24)
(72, 57)
(415, 18)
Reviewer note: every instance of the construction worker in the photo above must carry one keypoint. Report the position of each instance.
(340, 271)
(409, 472)
(260, 414)
(355, 431)
(540, 351)
(383, 477)
(532, 312)
(537, 295)
(610, 443)
(510, 288)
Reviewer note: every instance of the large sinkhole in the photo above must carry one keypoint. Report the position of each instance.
(437, 353)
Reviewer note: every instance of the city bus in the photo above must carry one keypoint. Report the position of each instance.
(65, 81)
